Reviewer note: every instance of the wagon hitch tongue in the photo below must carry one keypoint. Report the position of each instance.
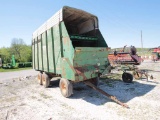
(106, 94)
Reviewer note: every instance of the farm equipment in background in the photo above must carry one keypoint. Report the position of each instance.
(155, 53)
(126, 60)
(13, 64)
(10, 65)
(125, 57)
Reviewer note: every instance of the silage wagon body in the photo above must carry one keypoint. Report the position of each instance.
(71, 46)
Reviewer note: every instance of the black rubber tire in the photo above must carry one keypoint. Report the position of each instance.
(66, 87)
(137, 75)
(127, 77)
(39, 78)
(45, 80)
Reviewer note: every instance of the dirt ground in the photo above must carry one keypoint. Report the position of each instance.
(21, 98)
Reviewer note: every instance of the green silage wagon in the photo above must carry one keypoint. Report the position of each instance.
(69, 45)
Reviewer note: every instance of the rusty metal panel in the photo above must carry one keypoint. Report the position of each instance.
(67, 69)
(87, 60)
(90, 56)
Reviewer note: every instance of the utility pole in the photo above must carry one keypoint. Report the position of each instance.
(141, 40)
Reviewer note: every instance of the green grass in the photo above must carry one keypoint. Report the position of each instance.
(15, 69)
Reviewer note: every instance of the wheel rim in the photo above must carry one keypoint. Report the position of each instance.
(43, 79)
(39, 78)
(63, 87)
(66, 87)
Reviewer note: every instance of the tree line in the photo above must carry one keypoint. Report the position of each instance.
(19, 49)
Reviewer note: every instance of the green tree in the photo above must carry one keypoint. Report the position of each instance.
(5, 54)
(26, 54)
(21, 51)
(17, 47)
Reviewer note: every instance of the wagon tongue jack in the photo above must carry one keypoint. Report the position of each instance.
(106, 94)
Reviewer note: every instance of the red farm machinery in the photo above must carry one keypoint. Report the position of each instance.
(155, 53)
(127, 59)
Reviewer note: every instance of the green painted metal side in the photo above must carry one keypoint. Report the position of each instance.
(50, 51)
(39, 53)
(36, 55)
(44, 52)
(53, 52)
(47, 52)
(67, 68)
(88, 59)
(57, 49)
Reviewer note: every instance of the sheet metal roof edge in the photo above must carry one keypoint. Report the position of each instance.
(55, 19)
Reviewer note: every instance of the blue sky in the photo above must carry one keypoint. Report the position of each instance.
(120, 21)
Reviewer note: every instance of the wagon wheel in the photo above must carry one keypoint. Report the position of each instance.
(95, 81)
(127, 77)
(45, 80)
(137, 75)
(66, 87)
(39, 78)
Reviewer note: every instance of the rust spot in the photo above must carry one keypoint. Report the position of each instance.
(107, 49)
(66, 41)
(70, 65)
(80, 71)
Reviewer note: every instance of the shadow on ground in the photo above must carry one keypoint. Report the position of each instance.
(113, 85)
(116, 87)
